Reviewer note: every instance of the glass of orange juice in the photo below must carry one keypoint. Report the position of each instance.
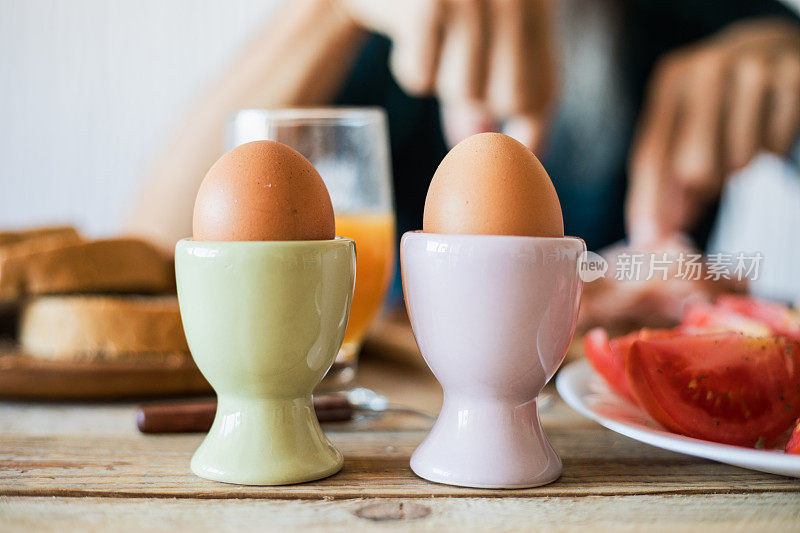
(350, 149)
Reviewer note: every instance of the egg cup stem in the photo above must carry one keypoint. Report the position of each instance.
(474, 434)
(265, 441)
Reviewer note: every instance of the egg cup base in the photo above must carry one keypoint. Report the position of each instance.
(503, 447)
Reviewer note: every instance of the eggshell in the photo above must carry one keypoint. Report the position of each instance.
(490, 184)
(263, 191)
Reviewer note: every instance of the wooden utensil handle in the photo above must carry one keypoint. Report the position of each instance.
(197, 415)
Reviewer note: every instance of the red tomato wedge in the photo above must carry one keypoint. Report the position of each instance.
(724, 387)
(598, 351)
(608, 356)
(777, 316)
(793, 446)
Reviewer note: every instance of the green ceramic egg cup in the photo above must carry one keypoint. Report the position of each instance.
(264, 321)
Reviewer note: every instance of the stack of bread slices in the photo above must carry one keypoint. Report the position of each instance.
(76, 299)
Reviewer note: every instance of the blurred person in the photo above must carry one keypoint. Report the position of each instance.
(639, 110)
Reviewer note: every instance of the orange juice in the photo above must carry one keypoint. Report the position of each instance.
(374, 236)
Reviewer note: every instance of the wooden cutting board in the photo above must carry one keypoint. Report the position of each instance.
(23, 377)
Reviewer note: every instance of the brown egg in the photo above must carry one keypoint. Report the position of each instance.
(490, 184)
(263, 191)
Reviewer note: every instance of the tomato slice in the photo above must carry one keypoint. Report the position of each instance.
(793, 446)
(724, 387)
(779, 317)
(611, 367)
(608, 356)
(702, 317)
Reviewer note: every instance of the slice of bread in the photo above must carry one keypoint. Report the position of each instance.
(102, 327)
(16, 245)
(50, 266)
(66, 233)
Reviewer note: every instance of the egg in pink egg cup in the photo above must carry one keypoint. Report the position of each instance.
(493, 314)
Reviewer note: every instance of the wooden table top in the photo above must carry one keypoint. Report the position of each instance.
(85, 467)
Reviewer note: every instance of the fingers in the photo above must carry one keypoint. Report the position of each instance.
(462, 64)
(521, 83)
(521, 73)
(503, 84)
(696, 159)
(764, 107)
(709, 110)
(529, 130)
(416, 47)
(462, 119)
(539, 50)
(784, 112)
(745, 124)
(495, 55)
(496, 66)
(647, 219)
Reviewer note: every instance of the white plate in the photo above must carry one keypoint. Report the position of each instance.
(588, 394)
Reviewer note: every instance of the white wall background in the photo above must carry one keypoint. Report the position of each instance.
(88, 90)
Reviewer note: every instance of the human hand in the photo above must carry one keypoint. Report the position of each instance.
(488, 61)
(622, 305)
(709, 109)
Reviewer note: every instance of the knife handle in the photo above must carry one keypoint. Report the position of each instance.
(197, 415)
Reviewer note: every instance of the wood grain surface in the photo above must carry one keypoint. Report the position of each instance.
(83, 466)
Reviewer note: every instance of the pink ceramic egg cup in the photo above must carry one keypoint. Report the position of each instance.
(493, 317)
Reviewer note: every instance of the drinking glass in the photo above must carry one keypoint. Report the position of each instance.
(349, 147)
